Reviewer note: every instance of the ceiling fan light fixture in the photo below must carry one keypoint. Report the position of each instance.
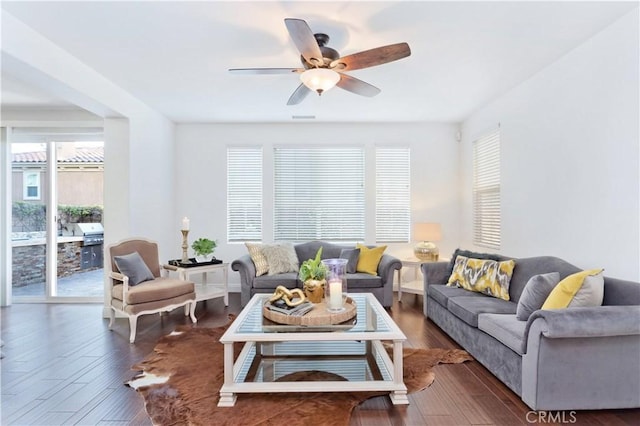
(319, 79)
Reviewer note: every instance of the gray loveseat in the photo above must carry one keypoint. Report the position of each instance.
(564, 359)
(381, 285)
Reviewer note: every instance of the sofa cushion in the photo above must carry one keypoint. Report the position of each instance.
(359, 280)
(281, 258)
(441, 293)
(507, 329)
(369, 258)
(309, 249)
(467, 308)
(287, 279)
(133, 267)
(258, 259)
(581, 289)
(535, 293)
(483, 275)
(352, 256)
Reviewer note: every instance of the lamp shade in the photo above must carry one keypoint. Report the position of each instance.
(319, 79)
(427, 232)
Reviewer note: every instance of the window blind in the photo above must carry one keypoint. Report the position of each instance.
(319, 194)
(486, 191)
(244, 194)
(393, 202)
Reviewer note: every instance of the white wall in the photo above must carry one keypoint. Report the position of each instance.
(139, 175)
(201, 174)
(570, 157)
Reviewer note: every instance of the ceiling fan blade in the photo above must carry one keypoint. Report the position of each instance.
(304, 40)
(265, 70)
(370, 58)
(357, 86)
(298, 95)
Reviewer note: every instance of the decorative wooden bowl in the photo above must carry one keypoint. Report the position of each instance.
(318, 316)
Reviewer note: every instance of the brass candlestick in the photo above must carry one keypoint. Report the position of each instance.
(185, 246)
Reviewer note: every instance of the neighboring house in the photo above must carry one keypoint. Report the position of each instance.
(80, 176)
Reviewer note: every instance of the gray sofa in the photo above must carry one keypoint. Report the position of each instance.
(564, 359)
(380, 285)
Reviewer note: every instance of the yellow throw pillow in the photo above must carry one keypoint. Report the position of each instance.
(258, 258)
(483, 276)
(584, 288)
(369, 259)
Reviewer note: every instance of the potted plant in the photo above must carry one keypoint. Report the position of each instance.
(312, 274)
(204, 247)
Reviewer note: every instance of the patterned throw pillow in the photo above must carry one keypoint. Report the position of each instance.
(259, 260)
(483, 276)
(281, 258)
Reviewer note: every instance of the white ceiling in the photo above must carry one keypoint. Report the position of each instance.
(174, 56)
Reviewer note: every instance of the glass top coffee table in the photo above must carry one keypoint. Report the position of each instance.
(352, 350)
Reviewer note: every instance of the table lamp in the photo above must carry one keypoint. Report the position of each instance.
(426, 234)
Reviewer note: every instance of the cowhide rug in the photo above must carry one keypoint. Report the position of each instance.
(180, 381)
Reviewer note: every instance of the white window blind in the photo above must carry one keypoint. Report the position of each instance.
(393, 202)
(486, 191)
(244, 194)
(319, 194)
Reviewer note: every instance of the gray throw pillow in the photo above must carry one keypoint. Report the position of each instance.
(133, 267)
(535, 293)
(352, 256)
(281, 258)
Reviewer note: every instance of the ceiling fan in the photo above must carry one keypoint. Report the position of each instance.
(323, 67)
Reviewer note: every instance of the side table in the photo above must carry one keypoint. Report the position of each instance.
(416, 286)
(206, 291)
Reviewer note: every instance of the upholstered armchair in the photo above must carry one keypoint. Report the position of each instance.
(139, 286)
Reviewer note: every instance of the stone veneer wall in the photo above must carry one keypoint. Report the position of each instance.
(29, 262)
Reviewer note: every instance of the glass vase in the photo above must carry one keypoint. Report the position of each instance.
(336, 287)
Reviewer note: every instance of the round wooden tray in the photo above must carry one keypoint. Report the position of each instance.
(317, 316)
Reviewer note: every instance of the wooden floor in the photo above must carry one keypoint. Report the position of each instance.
(62, 366)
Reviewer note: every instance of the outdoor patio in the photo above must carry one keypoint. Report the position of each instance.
(81, 284)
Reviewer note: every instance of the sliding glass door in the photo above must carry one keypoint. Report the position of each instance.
(57, 194)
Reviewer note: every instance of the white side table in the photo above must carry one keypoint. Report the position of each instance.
(206, 291)
(416, 286)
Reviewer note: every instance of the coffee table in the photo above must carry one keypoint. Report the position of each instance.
(353, 350)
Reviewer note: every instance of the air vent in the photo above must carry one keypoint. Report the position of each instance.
(303, 117)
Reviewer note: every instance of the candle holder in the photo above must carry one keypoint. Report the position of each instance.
(185, 246)
(336, 287)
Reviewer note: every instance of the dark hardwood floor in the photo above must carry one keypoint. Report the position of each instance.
(62, 366)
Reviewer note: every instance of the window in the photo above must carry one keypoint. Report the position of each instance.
(486, 191)
(393, 201)
(244, 194)
(31, 183)
(319, 194)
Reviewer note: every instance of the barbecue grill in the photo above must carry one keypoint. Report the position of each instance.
(92, 244)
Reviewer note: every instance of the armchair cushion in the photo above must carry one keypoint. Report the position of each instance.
(159, 289)
(133, 267)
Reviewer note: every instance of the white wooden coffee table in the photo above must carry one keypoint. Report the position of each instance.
(354, 352)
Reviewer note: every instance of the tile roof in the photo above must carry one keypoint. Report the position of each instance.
(82, 155)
